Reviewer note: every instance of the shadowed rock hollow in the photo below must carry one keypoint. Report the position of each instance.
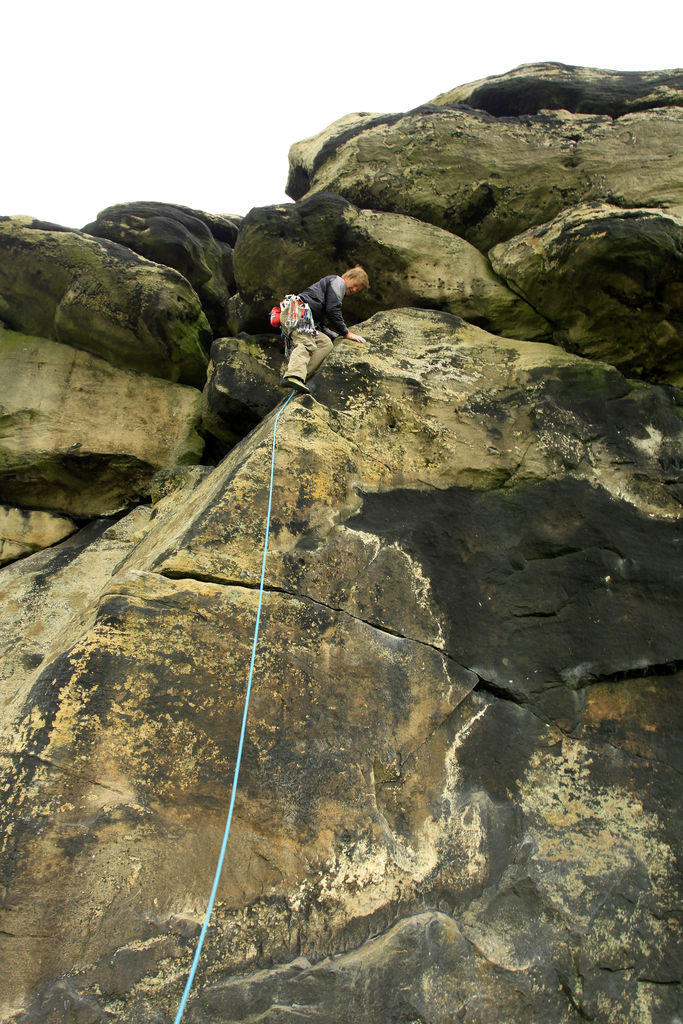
(459, 792)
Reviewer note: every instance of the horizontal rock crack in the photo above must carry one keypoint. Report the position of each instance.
(247, 585)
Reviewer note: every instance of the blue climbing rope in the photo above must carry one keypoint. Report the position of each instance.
(221, 856)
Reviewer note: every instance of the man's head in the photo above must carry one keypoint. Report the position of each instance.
(356, 280)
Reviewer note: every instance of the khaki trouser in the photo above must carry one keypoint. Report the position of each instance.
(308, 352)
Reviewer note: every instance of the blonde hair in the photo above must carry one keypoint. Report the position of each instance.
(357, 274)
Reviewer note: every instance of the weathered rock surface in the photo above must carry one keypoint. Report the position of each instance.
(83, 437)
(23, 531)
(283, 248)
(531, 88)
(487, 179)
(459, 796)
(436, 403)
(611, 282)
(244, 373)
(462, 767)
(44, 597)
(101, 297)
(196, 244)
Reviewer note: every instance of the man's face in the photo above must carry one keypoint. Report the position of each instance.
(352, 287)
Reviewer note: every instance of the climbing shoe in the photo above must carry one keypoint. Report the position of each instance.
(296, 383)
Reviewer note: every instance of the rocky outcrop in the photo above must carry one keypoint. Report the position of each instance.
(101, 297)
(610, 281)
(468, 653)
(196, 244)
(459, 787)
(83, 437)
(43, 598)
(531, 88)
(487, 179)
(282, 248)
(23, 531)
(243, 376)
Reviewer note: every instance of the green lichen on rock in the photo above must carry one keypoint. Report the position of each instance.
(282, 249)
(100, 297)
(243, 376)
(610, 281)
(486, 178)
(460, 782)
(197, 245)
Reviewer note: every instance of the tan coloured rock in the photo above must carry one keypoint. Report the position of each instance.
(611, 282)
(488, 179)
(83, 437)
(131, 792)
(467, 533)
(100, 297)
(23, 531)
(285, 248)
(48, 597)
(417, 406)
(45, 597)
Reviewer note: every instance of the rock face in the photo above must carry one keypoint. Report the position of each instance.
(460, 781)
(281, 248)
(44, 596)
(470, 547)
(23, 531)
(82, 437)
(243, 375)
(488, 178)
(610, 280)
(100, 297)
(535, 87)
(195, 244)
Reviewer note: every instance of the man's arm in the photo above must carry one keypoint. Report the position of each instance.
(336, 290)
(333, 312)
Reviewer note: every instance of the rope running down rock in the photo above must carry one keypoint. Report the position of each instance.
(221, 856)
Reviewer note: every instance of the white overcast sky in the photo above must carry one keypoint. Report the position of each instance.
(197, 103)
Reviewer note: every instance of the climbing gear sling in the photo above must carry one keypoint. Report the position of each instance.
(293, 314)
(296, 316)
(238, 760)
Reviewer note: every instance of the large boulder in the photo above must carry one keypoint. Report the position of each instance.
(196, 244)
(487, 179)
(534, 87)
(83, 437)
(282, 249)
(461, 769)
(441, 404)
(101, 297)
(610, 281)
(23, 531)
(244, 374)
(44, 596)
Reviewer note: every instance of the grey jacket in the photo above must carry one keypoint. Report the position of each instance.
(325, 300)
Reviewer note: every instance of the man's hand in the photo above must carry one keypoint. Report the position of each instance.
(356, 337)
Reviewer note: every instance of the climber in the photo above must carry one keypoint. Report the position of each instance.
(320, 323)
